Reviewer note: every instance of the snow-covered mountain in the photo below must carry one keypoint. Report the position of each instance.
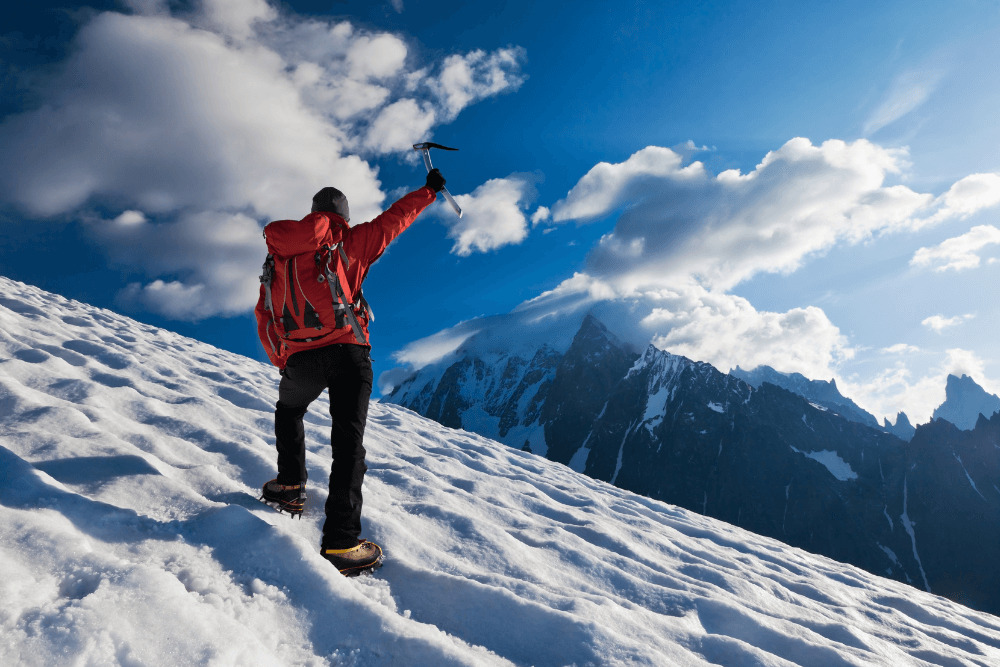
(760, 457)
(825, 394)
(965, 401)
(822, 393)
(130, 534)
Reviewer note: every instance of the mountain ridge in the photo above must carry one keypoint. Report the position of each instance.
(760, 457)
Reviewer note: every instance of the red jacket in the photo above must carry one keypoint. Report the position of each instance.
(363, 244)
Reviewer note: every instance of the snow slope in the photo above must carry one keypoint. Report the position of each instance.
(130, 459)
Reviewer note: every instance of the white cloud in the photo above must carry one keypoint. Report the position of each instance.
(569, 296)
(722, 329)
(376, 56)
(492, 216)
(173, 299)
(958, 253)
(901, 348)
(967, 197)
(428, 350)
(144, 114)
(939, 323)
(215, 256)
(223, 109)
(898, 389)
(397, 124)
(681, 222)
(235, 18)
(464, 79)
(726, 331)
(541, 214)
(130, 218)
(607, 186)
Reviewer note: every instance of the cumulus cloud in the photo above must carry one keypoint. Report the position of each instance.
(218, 253)
(221, 109)
(492, 216)
(726, 331)
(679, 221)
(723, 329)
(467, 78)
(898, 388)
(939, 323)
(144, 114)
(967, 197)
(397, 124)
(958, 253)
(234, 18)
(607, 186)
(541, 214)
(376, 56)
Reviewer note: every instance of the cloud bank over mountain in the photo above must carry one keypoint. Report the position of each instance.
(684, 238)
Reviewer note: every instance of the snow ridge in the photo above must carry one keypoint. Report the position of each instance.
(130, 460)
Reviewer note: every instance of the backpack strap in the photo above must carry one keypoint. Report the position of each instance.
(266, 277)
(359, 299)
(337, 280)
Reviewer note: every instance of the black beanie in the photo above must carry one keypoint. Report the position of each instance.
(332, 200)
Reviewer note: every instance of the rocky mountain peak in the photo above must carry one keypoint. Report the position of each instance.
(964, 401)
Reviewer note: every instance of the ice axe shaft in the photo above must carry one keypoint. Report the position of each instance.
(425, 153)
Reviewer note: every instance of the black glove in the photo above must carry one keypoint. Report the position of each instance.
(435, 181)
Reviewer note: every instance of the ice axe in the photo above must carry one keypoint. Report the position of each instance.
(425, 152)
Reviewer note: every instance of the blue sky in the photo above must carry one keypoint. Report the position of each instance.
(812, 187)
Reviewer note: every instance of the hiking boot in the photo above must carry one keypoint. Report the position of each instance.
(355, 560)
(285, 498)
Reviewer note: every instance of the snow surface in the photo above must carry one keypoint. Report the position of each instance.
(130, 459)
(831, 460)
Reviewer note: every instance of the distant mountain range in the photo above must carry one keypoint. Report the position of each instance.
(822, 394)
(778, 454)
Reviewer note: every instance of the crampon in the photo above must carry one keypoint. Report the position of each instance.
(285, 498)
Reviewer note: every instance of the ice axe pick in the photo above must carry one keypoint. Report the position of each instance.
(425, 152)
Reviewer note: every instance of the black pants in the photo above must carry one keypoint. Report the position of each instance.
(346, 370)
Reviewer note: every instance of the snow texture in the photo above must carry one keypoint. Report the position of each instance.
(130, 533)
(837, 466)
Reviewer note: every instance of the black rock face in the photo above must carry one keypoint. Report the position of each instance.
(951, 483)
(595, 362)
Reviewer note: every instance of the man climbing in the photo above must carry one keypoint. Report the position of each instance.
(312, 320)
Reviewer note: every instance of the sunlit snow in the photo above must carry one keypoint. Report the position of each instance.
(130, 533)
(837, 466)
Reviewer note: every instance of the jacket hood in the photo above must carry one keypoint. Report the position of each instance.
(286, 238)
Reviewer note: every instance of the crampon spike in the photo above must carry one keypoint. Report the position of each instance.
(281, 510)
